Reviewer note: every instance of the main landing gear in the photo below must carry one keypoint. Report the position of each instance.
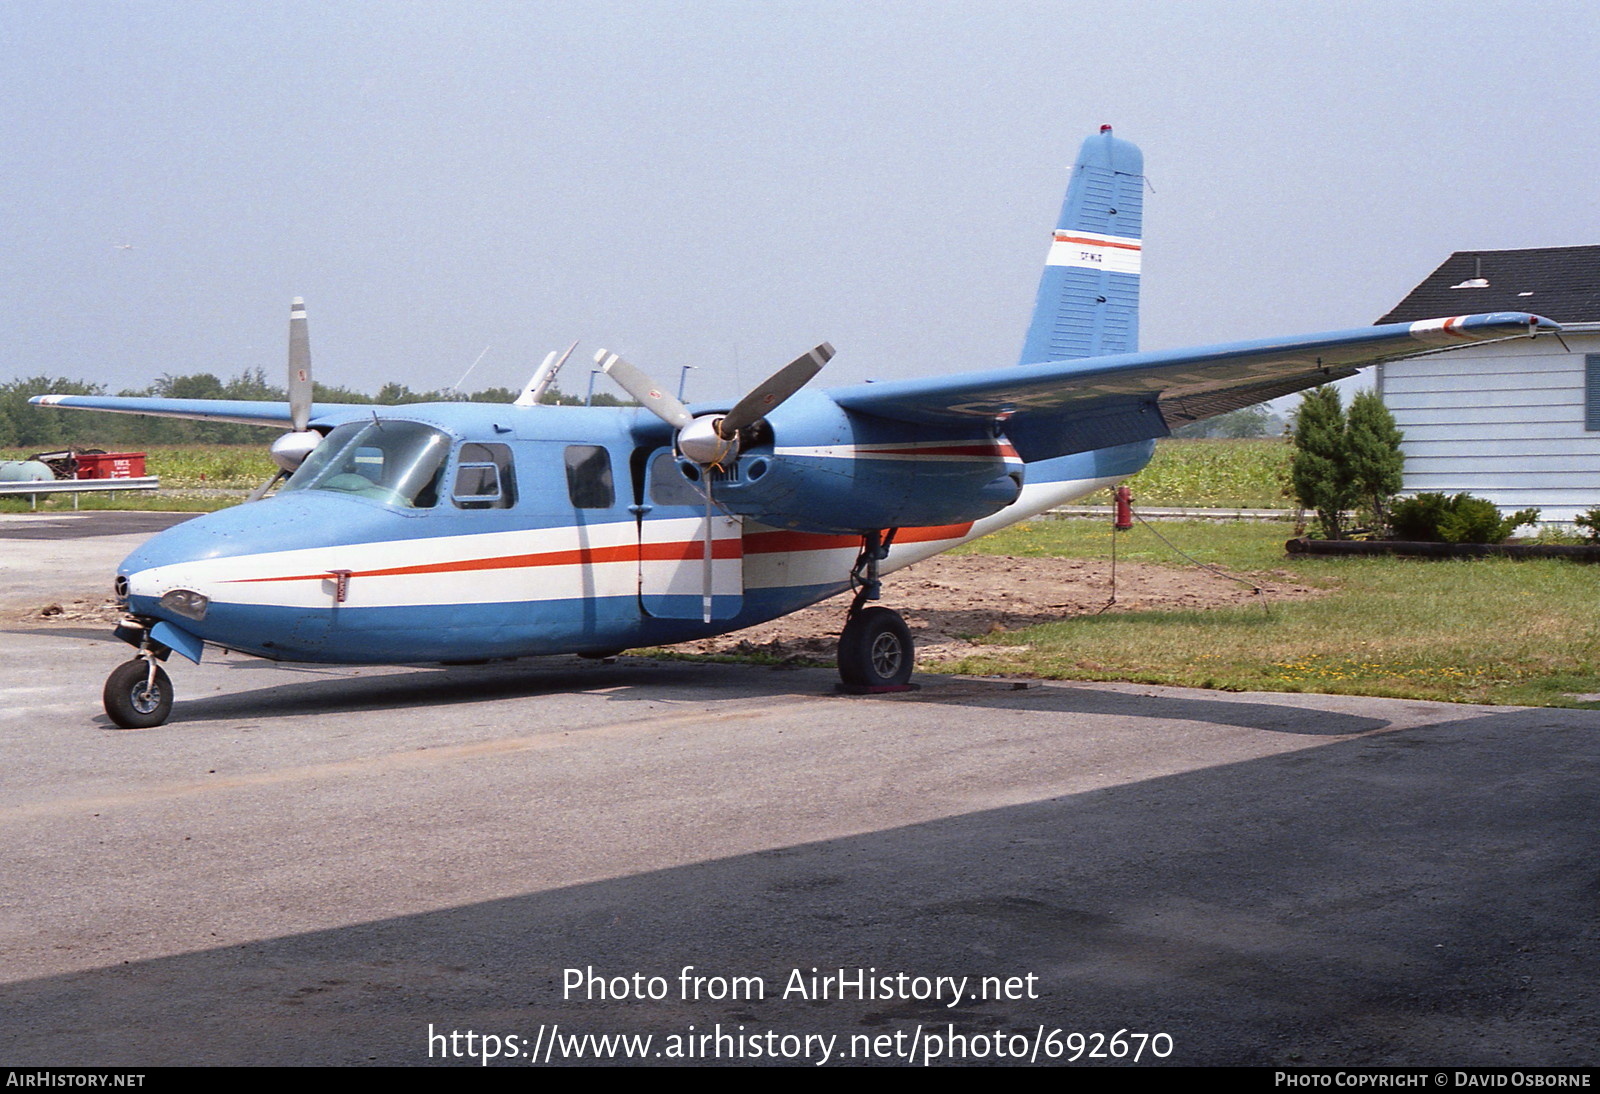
(138, 693)
(875, 651)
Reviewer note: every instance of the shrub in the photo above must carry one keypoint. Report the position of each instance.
(1318, 473)
(1417, 518)
(1373, 458)
(1590, 522)
(1462, 518)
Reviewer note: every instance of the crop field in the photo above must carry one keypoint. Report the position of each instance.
(1246, 474)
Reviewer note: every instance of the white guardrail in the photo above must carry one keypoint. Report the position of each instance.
(76, 487)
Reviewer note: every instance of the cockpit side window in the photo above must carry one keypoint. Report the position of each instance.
(484, 477)
(396, 463)
(589, 481)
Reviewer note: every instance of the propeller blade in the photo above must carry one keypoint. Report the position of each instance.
(299, 367)
(705, 561)
(261, 491)
(644, 389)
(775, 389)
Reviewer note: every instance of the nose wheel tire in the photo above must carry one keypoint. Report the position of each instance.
(875, 650)
(133, 701)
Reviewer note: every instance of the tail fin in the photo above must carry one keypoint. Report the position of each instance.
(1088, 303)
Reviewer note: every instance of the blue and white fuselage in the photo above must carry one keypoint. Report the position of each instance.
(599, 549)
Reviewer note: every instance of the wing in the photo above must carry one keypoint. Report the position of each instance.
(1062, 407)
(241, 411)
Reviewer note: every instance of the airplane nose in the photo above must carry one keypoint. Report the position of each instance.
(160, 563)
(196, 554)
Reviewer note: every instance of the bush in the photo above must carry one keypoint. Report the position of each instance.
(1418, 518)
(1317, 472)
(1590, 522)
(1372, 456)
(1434, 518)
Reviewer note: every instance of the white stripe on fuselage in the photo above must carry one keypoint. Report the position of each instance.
(962, 451)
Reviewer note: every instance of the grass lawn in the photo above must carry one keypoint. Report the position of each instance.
(1478, 631)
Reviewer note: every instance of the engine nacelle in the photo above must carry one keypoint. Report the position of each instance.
(823, 470)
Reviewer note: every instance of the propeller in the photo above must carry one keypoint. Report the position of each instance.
(712, 440)
(290, 450)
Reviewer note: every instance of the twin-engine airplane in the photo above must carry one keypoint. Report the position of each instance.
(462, 532)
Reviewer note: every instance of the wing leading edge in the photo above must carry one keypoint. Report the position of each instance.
(1058, 408)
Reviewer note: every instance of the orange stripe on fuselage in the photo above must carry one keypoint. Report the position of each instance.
(730, 547)
(775, 542)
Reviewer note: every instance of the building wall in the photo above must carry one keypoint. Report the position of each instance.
(1503, 421)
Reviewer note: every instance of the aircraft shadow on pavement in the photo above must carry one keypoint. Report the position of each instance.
(1425, 897)
(640, 679)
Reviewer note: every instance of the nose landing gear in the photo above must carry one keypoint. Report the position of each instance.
(138, 693)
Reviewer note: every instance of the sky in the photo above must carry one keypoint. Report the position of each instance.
(725, 184)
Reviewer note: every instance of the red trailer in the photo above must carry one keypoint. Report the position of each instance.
(110, 465)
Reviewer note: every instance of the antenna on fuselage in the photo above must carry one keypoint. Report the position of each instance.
(456, 387)
(543, 377)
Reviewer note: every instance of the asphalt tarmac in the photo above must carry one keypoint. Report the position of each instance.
(329, 865)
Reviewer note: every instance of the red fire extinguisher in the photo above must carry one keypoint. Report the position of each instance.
(1124, 519)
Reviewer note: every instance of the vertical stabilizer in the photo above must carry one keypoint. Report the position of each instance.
(1088, 304)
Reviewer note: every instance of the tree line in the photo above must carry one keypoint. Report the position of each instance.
(31, 427)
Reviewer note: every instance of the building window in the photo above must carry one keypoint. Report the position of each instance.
(1591, 392)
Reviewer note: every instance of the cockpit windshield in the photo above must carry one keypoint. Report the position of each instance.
(397, 463)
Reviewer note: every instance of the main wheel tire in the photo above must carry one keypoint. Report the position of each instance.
(875, 650)
(130, 699)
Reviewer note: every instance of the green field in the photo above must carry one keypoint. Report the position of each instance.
(1248, 474)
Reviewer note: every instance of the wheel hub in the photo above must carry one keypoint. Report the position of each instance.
(886, 654)
(145, 698)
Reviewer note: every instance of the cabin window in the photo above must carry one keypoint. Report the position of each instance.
(484, 478)
(589, 477)
(397, 463)
(1591, 392)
